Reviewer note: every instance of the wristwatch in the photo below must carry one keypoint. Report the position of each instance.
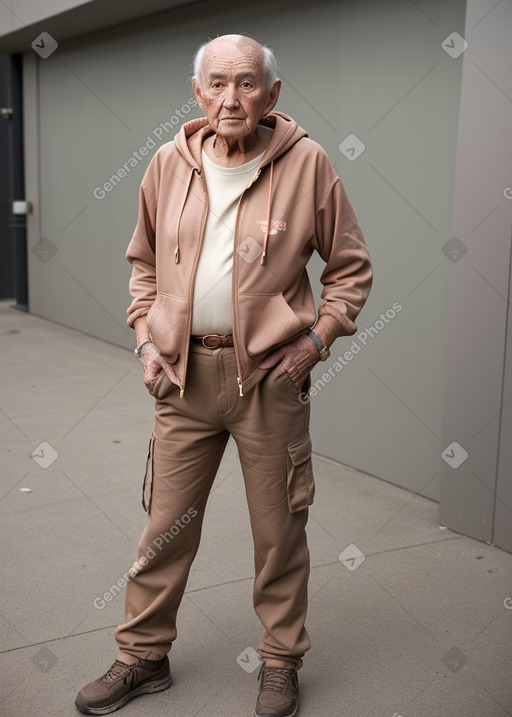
(138, 350)
(323, 350)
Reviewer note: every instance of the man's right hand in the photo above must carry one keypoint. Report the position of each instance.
(153, 363)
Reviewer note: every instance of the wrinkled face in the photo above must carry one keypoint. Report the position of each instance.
(233, 89)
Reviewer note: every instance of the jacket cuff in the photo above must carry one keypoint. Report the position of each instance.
(134, 315)
(347, 326)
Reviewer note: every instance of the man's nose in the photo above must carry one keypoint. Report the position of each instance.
(231, 96)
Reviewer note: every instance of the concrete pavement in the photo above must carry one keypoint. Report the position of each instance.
(407, 618)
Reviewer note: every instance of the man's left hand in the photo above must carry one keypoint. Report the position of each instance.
(297, 359)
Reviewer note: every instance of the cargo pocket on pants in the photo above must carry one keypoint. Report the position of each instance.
(147, 488)
(300, 481)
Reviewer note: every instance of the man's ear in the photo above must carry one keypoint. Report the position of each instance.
(273, 97)
(197, 92)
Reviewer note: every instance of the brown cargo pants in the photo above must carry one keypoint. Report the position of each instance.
(271, 429)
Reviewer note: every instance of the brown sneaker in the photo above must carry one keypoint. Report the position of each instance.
(279, 693)
(122, 682)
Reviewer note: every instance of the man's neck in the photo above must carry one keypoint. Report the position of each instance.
(234, 154)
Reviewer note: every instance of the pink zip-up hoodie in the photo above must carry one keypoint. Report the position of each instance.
(295, 205)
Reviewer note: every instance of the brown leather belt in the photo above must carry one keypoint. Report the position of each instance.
(213, 341)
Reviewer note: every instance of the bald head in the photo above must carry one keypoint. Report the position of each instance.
(246, 46)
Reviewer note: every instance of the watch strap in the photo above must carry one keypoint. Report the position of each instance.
(322, 350)
(138, 350)
(316, 340)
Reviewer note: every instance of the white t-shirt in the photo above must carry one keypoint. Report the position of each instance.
(213, 287)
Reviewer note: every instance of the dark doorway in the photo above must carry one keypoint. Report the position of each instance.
(13, 233)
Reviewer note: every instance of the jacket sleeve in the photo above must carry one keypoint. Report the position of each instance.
(347, 277)
(141, 254)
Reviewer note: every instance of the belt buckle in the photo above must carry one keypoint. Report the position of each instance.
(212, 336)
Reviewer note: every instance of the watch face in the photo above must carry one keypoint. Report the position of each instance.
(324, 354)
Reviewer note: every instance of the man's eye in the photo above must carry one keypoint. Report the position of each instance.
(246, 85)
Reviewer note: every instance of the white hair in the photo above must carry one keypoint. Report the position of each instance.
(269, 60)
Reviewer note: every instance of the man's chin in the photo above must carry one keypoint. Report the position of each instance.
(233, 133)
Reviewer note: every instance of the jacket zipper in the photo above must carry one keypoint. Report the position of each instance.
(192, 282)
(235, 284)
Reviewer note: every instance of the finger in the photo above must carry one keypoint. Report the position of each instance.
(171, 374)
(151, 374)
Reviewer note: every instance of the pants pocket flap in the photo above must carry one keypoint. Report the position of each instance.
(147, 488)
(300, 480)
(300, 451)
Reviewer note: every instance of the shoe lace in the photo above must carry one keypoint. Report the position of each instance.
(276, 679)
(117, 671)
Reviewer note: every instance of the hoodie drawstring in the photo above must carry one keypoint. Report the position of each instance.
(267, 233)
(177, 250)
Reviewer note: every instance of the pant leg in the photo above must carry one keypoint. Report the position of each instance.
(271, 429)
(186, 448)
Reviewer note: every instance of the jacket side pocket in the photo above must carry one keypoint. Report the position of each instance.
(300, 482)
(147, 488)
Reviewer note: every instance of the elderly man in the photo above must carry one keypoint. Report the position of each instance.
(230, 213)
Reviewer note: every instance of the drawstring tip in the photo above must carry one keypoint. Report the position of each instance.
(263, 258)
(177, 255)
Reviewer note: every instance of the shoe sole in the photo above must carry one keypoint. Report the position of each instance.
(290, 714)
(145, 689)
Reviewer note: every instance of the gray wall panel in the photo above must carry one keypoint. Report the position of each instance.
(502, 534)
(480, 285)
(400, 94)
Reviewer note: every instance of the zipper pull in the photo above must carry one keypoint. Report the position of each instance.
(182, 391)
(239, 382)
